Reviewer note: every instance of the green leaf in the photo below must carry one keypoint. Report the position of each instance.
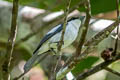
(84, 64)
(101, 6)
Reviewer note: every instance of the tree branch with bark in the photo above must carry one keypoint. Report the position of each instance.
(11, 42)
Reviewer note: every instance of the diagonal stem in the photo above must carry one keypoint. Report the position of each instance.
(97, 68)
(112, 71)
(62, 37)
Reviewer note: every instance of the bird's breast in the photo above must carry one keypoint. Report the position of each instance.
(69, 36)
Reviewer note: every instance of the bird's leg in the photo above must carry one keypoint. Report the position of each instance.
(51, 49)
(54, 46)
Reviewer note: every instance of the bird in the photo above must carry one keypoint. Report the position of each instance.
(51, 39)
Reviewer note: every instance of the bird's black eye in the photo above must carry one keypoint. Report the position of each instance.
(110, 49)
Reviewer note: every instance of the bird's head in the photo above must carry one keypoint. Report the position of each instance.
(77, 21)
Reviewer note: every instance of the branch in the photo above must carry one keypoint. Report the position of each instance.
(64, 26)
(116, 42)
(62, 38)
(85, 28)
(97, 68)
(11, 42)
(112, 71)
(102, 35)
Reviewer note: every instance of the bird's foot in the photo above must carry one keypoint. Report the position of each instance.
(53, 51)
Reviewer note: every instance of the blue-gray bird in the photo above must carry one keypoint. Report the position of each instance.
(51, 39)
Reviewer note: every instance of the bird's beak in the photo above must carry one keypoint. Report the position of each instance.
(82, 18)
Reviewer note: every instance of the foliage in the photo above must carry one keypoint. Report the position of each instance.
(84, 65)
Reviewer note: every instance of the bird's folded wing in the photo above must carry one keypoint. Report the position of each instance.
(49, 35)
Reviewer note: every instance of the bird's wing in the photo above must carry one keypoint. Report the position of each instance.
(49, 35)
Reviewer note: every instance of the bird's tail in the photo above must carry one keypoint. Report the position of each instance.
(30, 63)
(34, 60)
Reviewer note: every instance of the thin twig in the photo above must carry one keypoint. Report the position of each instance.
(64, 26)
(97, 68)
(81, 42)
(116, 42)
(112, 71)
(85, 28)
(11, 42)
(62, 38)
